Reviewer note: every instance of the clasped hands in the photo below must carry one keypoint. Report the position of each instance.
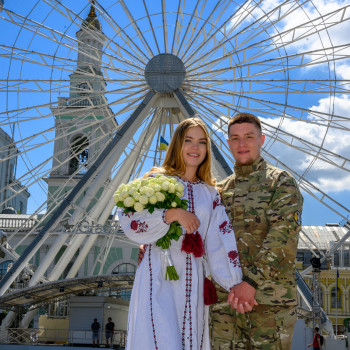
(242, 297)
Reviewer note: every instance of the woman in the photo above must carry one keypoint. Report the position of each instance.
(171, 314)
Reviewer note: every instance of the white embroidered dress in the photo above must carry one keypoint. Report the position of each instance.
(171, 315)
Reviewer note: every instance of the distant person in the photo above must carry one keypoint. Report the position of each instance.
(95, 327)
(109, 332)
(316, 343)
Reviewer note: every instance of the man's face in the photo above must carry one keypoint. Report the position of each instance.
(245, 141)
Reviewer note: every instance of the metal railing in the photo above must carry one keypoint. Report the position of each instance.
(36, 336)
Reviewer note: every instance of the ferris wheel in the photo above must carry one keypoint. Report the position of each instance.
(90, 89)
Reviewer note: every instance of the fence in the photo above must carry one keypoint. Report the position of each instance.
(41, 336)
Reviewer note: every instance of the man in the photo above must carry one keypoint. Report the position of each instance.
(264, 205)
(109, 332)
(95, 326)
(316, 343)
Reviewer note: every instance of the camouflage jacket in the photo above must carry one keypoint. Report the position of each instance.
(264, 205)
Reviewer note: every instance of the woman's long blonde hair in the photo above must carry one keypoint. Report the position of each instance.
(174, 164)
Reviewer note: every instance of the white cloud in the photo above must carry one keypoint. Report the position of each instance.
(326, 176)
(331, 37)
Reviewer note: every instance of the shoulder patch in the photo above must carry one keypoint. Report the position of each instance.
(297, 217)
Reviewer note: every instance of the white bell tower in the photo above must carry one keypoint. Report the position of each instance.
(84, 117)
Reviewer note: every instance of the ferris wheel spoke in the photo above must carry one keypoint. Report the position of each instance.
(323, 118)
(179, 48)
(151, 25)
(135, 51)
(306, 147)
(274, 86)
(193, 26)
(280, 64)
(232, 22)
(210, 20)
(118, 49)
(165, 28)
(311, 189)
(136, 28)
(177, 25)
(292, 35)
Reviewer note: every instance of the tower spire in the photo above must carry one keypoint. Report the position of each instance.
(92, 12)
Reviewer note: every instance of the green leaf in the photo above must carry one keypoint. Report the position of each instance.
(178, 231)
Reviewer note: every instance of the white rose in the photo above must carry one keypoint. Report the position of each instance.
(156, 187)
(179, 187)
(138, 206)
(149, 192)
(132, 190)
(143, 199)
(121, 187)
(180, 194)
(171, 188)
(144, 182)
(116, 197)
(173, 180)
(165, 185)
(124, 195)
(137, 184)
(136, 196)
(173, 204)
(129, 202)
(153, 199)
(160, 196)
(143, 189)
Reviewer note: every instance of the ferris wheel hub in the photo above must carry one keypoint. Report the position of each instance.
(165, 72)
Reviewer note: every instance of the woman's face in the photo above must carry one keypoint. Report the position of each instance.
(194, 148)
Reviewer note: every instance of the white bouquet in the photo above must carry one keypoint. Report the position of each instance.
(158, 192)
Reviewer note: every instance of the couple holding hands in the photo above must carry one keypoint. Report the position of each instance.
(247, 226)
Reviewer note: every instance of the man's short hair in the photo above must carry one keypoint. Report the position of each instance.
(317, 329)
(244, 118)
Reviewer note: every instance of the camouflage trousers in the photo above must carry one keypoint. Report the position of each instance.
(267, 327)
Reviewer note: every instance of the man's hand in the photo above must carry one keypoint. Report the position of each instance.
(242, 297)
(141, 253)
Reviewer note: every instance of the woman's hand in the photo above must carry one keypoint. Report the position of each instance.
(187, 220)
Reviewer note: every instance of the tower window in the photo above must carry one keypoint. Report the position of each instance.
(79, 155)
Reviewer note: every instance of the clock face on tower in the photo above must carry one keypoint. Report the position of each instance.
(83, 88)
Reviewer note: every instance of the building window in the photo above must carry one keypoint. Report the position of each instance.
(58, 309)
(336, 299)
(125, 269)
(4, 267)
(79, 155)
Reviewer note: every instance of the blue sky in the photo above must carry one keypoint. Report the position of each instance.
(36, 70)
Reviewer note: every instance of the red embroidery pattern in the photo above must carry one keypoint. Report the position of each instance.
(188, 284)
(225, 227)
(163, 217)
(217, 201)
(188, 305)
(129, 214)
(233, 256)
(151, 296)
(138, 226)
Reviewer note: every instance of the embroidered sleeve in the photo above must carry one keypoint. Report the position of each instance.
(217, 201)
(221, 249)
(143, 227)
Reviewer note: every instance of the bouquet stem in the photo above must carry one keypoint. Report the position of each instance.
(171, 273)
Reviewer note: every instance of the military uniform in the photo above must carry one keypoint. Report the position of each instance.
(264, 205)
